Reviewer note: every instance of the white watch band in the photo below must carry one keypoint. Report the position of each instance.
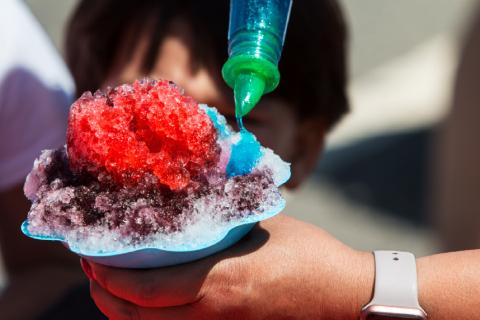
(395, 280)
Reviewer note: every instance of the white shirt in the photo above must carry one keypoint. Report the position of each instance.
(35, 93)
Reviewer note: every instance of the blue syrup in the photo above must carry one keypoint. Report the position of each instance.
(245, 153)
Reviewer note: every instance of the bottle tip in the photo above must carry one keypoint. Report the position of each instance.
(249, 88)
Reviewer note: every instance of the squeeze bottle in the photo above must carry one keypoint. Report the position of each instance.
(255, 41)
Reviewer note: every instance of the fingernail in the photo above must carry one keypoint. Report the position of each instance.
(86, 268)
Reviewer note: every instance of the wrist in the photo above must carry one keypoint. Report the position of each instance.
(365, 281)
(423, 281)
(354, 286)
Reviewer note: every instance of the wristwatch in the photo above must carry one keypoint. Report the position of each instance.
(395, 294)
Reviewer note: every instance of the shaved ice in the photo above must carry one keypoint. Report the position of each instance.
(146, 166)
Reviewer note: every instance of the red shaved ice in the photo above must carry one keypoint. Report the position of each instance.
(149, 127)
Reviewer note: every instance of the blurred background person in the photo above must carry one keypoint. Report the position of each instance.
(35, 94)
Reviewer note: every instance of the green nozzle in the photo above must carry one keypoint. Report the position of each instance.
(250, 78)
(248, 89)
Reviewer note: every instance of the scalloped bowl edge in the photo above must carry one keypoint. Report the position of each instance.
(151, 257)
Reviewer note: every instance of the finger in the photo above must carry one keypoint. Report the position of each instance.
(162, 287)
(117, 309)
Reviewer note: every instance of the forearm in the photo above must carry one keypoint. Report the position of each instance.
(301, 272)
(449, 285)
(353, 287)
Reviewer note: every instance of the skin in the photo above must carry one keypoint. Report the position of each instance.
(284, 268)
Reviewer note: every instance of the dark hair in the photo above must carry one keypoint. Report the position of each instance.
(313, 64)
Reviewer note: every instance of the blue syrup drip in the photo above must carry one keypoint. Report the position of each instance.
(240, 124)
(245, 153)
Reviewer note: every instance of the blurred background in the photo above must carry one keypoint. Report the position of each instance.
(373, 186)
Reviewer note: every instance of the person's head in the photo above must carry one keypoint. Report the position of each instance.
(110, 42)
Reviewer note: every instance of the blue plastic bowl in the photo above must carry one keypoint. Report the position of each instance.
(155, 257)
